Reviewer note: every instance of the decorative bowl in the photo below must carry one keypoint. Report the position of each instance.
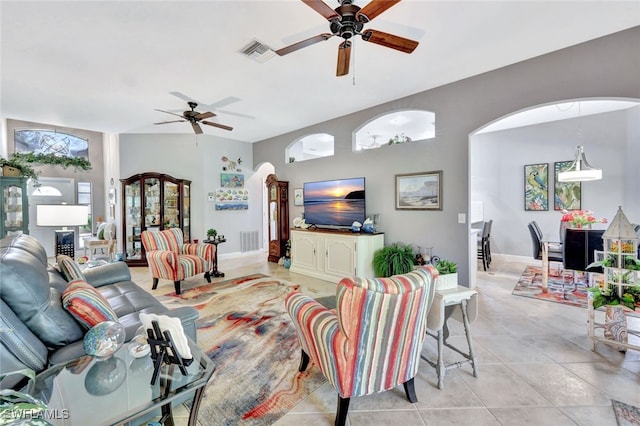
(104, 339)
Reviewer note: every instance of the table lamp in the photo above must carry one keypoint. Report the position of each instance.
(62, 215)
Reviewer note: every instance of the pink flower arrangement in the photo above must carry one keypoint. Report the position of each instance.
(580, 218)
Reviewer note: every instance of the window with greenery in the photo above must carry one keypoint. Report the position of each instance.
(394, 128)
(310, 147)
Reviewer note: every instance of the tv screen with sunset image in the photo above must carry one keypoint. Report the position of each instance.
(334, 203)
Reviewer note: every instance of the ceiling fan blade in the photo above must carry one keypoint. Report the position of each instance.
(374, 8)
(224, 102)
(172, 121)
(322, 8)
(221, 126)
(237, 114)
(389, 40)
(344, 55)
(168, 112)
(203, 115)
(304, 43)
(183, 97)
(196, 128)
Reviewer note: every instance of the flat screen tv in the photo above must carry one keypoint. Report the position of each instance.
(334, 203)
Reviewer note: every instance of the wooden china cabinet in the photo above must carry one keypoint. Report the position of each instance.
(153, 201)
(278, 207)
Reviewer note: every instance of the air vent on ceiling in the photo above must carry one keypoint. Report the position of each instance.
(257, 51)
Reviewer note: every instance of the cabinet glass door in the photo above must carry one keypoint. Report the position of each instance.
(186, 212)
(132, 199)
(171, 206)
(152, 204)
(12, 208)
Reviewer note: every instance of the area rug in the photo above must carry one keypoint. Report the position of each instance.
(247, 333)
(565, 286)
(626, 415)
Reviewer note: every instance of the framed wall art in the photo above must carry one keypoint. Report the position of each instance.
(231, 180)
(298, 197)
(566, 195)
(536, 187)
(232, 199)
(419, 191)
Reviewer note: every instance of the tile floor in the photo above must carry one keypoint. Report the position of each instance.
(534, 364)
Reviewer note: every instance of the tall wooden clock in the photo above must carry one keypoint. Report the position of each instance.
(278, 208)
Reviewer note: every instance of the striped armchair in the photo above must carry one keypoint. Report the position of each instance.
(171, 259)
(372, 341)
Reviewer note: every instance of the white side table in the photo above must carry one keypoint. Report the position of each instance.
(442, 309)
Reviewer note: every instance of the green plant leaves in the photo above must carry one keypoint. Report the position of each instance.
(393, 260)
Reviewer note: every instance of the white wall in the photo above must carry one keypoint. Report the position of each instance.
(497, 161)
(198, 159)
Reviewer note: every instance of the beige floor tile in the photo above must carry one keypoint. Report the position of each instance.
(459, 417)
(543, 416)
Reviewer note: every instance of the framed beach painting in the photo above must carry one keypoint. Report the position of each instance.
(566, 195)
(536, 187)
(419, 191)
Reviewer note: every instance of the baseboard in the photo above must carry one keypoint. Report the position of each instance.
(240, 255)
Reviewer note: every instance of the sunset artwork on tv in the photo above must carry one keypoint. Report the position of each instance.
(334, 202)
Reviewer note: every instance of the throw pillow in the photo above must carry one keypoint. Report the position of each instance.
(69, 268)
(86, 304)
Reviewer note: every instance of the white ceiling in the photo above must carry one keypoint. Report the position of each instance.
(106, 65)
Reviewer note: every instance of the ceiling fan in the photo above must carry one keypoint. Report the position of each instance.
(194, 117)
(347, 21)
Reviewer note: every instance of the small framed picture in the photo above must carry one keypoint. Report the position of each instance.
(298, 197)
(419, 191)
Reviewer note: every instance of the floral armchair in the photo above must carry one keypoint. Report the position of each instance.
(372, 341)
(170, 258)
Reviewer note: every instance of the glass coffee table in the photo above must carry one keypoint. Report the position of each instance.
(118, 389)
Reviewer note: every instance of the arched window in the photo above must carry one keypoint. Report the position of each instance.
(309, 147)
(46, 191)
(393, 128)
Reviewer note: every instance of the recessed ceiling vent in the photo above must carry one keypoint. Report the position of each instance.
(257, 51)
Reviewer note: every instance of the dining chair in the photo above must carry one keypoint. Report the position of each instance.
(484, 248)
(554, 252)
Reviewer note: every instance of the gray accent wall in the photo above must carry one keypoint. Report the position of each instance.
(607, 67)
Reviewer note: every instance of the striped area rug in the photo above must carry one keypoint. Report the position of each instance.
(565, 286)
(245, 330)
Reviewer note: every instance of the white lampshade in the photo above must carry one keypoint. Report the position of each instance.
(61, 214)
(580, 170)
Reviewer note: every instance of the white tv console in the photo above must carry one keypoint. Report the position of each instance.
(333, 255)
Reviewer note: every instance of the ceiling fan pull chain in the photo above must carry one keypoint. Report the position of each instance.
(353, 60)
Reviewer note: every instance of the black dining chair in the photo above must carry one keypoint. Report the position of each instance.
(554, 252)
(484, 247)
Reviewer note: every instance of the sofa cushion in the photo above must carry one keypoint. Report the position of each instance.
(24, 287)
(86, 304)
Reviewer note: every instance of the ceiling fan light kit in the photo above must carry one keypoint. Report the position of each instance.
(348, 20)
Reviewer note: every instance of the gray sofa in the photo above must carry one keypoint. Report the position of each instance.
(36, 331)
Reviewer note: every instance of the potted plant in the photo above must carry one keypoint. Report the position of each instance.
(448, 277)
(393, 260)
(211, 234)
